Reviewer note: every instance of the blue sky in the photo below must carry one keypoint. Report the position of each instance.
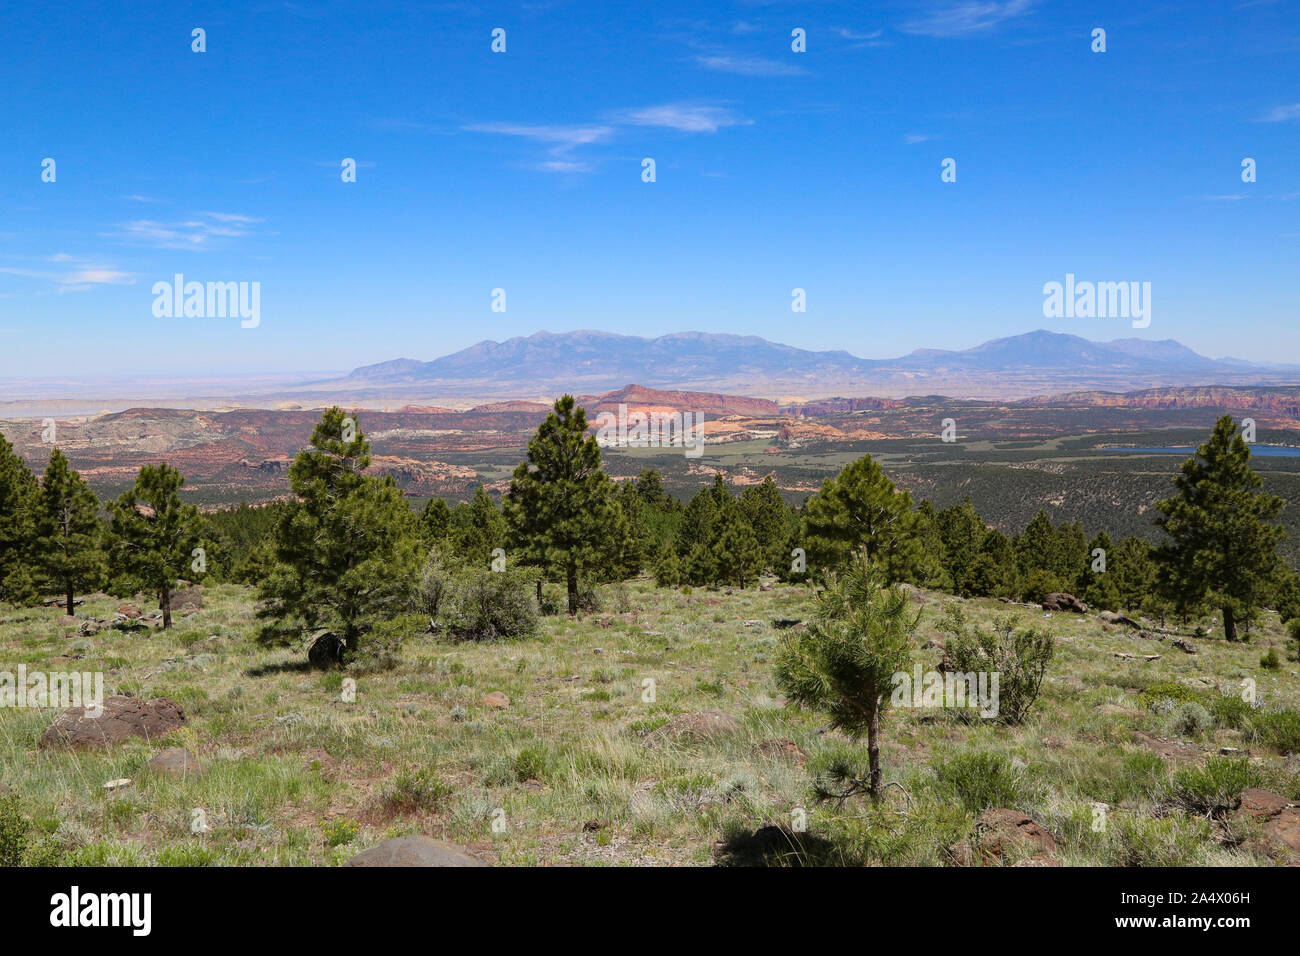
(522, 171)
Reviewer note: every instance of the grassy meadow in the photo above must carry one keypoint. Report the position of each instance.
(572, 773)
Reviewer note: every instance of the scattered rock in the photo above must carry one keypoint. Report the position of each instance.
(1280, 819)
(1166, 749)
(783, 747)
(123, 717)
(699, 725)
(1059, 601)
(175, 762)
(1187, 647)
(187, 600)
(326, 651)
(999, 832)
(90, 627)
(1111, 617)
(119, 784)
(494, 699)
(130, 611)
(1132, 657)
(416, 851)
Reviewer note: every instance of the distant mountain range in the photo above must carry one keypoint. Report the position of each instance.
(1035, 363)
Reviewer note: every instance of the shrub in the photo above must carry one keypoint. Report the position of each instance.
(532, 763)
(485, 605)
(416, 788)
(1039, 584)
(1231, 711)
(980, 779)
(432, 585)
(13, 830)
(1277, 728)
(1270, 661)
(1170, 691)
(1213, 790)
(1167, 841)
(1191, 719)
(668, 572)
(1019, 658)
(1293, 630)
(340, 831)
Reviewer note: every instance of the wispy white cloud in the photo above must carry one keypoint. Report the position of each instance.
(973, 16)
(686, 117)
(562, 137)
(858, 40)
(76, 275)
(197, 233)
(911, 139)
(1282, 114)
(562, 142)
(747, 65)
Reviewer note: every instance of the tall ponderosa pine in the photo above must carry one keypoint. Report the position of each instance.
(347, 552)
(435, 522)
(68, 532)
(18, 491)
(771, 520)
(1221, 547)
(860, 509)
(476, 530)
(737, 556)
(154, 533)
(560, 507)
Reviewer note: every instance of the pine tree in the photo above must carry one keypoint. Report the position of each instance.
(696, 527)
(1100, 588)
(649, 487)
(18, 490)
(1036, 549)
(771, 520)
(347, 551)
(154, 534)
(1134, 570)
(998, 556)
(861, 509)
(737, 557)
(435, 522)
(845, 662)
(1221, 539)
(962, 531)
(477, 529)
(560, 508)
(68, 531)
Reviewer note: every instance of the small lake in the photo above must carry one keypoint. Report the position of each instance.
(1256, 451)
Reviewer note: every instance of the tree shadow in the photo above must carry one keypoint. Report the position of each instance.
(776, 846)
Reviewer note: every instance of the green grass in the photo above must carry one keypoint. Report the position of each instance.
(296, 776)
